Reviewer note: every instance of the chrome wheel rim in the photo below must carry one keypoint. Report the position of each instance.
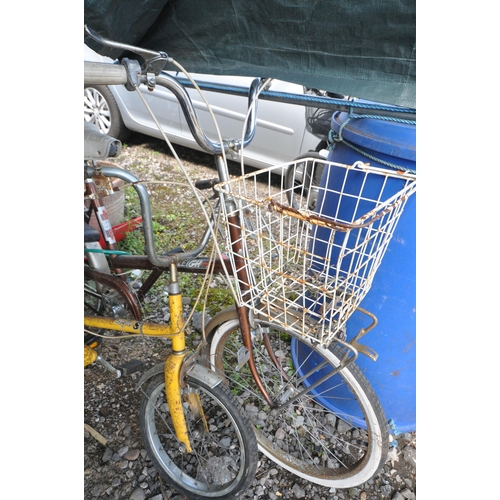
(96, 109)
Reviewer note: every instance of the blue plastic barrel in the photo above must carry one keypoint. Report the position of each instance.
(392, 297)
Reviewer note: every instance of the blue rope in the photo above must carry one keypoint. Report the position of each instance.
(386, 118)
(307, 99)
(334, 138)
(312, 99)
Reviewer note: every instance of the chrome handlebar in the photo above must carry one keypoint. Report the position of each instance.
(97, 73)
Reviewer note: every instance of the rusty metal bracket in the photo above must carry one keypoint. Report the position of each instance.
(367, 351)
(103, 184)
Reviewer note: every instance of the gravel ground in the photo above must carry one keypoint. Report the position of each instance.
(115, 463)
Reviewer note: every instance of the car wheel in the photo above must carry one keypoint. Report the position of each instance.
(99, 107)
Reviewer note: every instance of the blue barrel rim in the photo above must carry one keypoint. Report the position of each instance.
(386, 137)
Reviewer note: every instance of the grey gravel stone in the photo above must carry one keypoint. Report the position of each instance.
(132, 454)
(408, 494)
(225, 442)
(410, 456)
(343, 426)
(386, 490)
(138, 494)
(252, 411)
(408, 482)
(107, 455)
(280, 434)
(298, 491)
(198, 320)
(354, 492)
(97, 490)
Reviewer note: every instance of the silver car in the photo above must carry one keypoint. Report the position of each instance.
(280, 137)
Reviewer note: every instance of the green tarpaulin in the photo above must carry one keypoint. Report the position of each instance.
(360, 48)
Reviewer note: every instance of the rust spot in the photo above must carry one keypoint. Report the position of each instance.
(395, 373)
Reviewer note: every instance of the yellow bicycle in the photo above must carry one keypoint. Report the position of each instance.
(193, 428)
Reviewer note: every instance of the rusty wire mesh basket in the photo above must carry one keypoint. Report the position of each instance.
(307, 255)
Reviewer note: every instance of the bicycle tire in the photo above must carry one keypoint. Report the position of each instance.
(223, 461)
(309, 438)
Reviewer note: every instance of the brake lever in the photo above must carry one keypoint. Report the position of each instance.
(154, 61)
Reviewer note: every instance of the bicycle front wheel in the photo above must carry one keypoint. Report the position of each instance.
(224, 454)
(336, 435)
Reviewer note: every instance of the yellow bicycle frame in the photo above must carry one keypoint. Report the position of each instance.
(173, 364)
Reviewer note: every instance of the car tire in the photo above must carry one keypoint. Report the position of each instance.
(100, 108)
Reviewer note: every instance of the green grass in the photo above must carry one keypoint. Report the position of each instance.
(132, 205)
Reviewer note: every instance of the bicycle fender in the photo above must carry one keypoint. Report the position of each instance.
(221, 317)
(205, 375)
(152, 372)
(196, 371)
(227, 314)
(120, 286)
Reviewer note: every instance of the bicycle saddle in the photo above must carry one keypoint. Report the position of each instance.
(99, 146)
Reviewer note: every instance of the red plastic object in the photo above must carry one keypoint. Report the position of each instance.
(120, 230)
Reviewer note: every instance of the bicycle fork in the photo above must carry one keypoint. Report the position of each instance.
(174, 362)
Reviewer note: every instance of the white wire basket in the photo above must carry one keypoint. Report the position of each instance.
(305, 255)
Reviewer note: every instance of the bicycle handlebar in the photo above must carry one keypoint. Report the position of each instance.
(98, 73)
(130, 74)
(172, 84)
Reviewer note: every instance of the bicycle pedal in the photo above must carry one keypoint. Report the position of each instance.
(108, 366)
(130, 367)
(91, 340)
